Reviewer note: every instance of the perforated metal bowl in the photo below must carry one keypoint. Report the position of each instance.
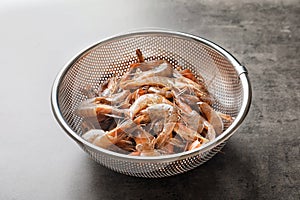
(227, 80)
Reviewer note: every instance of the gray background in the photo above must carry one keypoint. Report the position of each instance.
(39, 161)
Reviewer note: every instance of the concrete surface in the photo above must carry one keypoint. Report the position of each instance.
(39, 161)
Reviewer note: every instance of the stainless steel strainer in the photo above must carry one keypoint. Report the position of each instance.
(227, 80)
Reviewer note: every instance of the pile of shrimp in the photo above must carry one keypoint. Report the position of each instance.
(152, 110)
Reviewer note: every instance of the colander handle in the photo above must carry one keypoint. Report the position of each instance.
(241, 70)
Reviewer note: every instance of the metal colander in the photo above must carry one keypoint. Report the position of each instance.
(226, 79)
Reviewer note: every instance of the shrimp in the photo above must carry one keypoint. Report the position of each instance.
(165, 91)
(140, 68)
(212, 117)
(127, 144)
(196, 144)
(200, 88)
(102, 86)
(144, 146)
(143, 142)
(189, 99)
(205, 97)
(187, 133)
(192, 95)
(142, 138)
(192, 82)
(150, 81)
(139, 92)
(193, 120)
(188, 74)
(226, 117)
(105, 139)
(198, 124)
(89, 108)
(170, 116)
(114, 99)
(157, 126)
(159, 81)
(145, 101)
(210, 131)
(190, 117)
(112, 87)
(173, 145)
(183, 106)
(127, 126)
(162, 68)
(100, 138)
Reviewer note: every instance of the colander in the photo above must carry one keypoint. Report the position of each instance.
(226, 79)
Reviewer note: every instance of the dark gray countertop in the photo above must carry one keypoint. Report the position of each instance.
(39, 161)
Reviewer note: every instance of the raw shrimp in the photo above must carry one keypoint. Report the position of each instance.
(173, 145)
(137, 68)
(189, 99)
(225, 117)
(114, 99)
(100, 138)
(196, 144)
(89, 108)
(185, 82)
(145, 101)
(186, 133)
(139, 92)
(210, 131)
(158, 81)
(170, 116)
(150, 81)
(126, 144)
(190, 117)
(112, 87)
(105, 139)
(165, 91)
(212, 117)
(193, 120)
(179, 83)
(183, 106)
(163, 69)
(188, 74)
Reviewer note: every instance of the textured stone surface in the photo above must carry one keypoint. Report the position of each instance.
(38, 161)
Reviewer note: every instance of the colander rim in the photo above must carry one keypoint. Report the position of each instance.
(241, 71)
